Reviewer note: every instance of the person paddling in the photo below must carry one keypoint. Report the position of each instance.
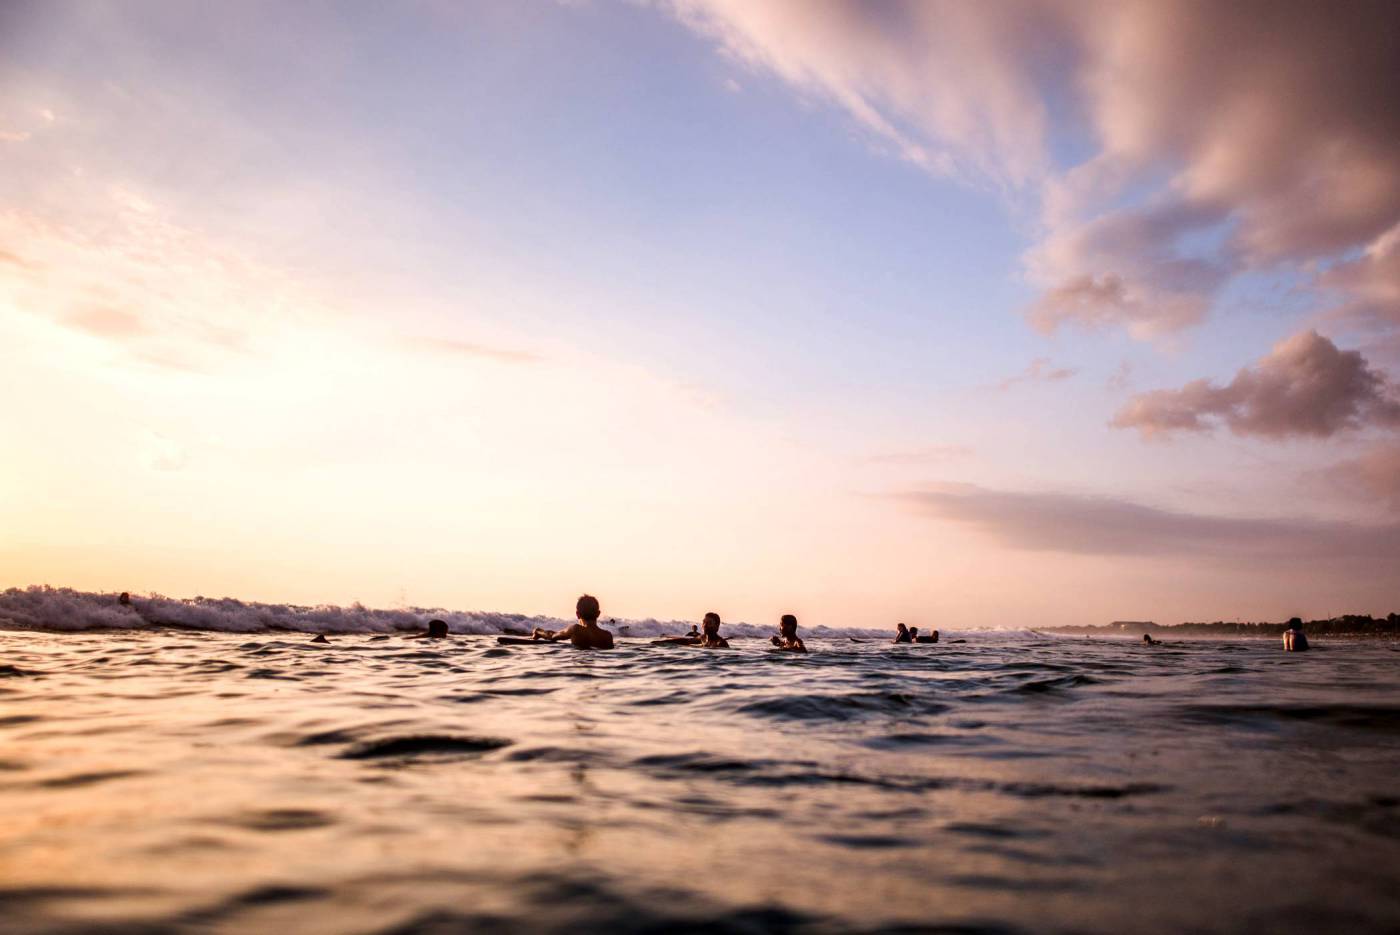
(586, 634)
(901, 634)
(787, 638)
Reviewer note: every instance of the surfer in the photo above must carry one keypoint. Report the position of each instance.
(1147, 640)
(931, 638)
(586, 634)
(901, 634)
(787, 638)
(1294, 639)
(437, 630)
(711, 638)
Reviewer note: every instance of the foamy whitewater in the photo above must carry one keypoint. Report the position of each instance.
(239, 778)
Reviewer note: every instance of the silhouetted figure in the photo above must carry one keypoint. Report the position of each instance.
(586, 634)
(1294, 639)
(901, 634)
(1147, 640)
(437, 630)
(125, 599)
(711, 638)
(787, 638)
(931, 638)
(694, 633)
(913, 634)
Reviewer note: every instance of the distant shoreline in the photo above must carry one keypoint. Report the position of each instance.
(1350, 626)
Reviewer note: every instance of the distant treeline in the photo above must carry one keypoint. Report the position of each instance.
(1345, 625)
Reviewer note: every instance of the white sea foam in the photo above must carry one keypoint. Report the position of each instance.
(64, 609)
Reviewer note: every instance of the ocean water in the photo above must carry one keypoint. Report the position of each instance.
(219, 782)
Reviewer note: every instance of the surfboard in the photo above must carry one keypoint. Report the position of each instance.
(519, 641)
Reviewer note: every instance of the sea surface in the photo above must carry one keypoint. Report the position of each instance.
(220, 782)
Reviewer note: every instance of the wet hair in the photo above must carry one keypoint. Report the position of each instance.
(587, 608)
(437, 628)
(1295, 623)
(711, 617)
(900, 626)
(124, 599)
(913, 630)
(788, 621)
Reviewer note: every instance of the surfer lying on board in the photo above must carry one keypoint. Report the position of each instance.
(931, 638)
(586, 634)
(901, 634)
(787, 638)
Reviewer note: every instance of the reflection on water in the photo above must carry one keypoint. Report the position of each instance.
(156, 782)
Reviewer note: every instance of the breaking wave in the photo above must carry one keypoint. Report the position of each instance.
(65, 610)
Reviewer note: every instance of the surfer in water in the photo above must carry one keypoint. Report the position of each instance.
(586, 634)
(1294, 640)
(931, 638)
(787, 638)
(901, 634)
(711, 638)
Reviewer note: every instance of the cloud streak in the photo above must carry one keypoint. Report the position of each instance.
(1305, 387)
(1106, 526)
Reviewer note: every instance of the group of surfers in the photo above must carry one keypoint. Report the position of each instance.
(587, 634)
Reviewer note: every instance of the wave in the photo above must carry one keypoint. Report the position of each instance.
(41, 607)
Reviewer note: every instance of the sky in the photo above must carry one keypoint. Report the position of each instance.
(1026, 313)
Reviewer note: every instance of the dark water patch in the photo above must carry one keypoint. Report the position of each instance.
(1000, 832)
(698, 763)
(1018, 884)
(1040, 790)
(18, 719)
(424, 745)
(868, 841)
(1379, 718)
(814, 707)
(553, 755)
(78, 780)
(912, 739)
(523, 692)
(1052, 685)
(272, 674)
(14, 672)
(281, 819)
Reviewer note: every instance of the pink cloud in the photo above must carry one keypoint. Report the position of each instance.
(1304, 387)
(1268, 129)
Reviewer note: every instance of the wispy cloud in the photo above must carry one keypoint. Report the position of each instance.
(1040, 370)
(1083, 525)
(933, 454)
(456, 348)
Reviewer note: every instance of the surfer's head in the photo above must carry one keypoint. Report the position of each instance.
(901, 628)
(711, 623)
(1295, 623)
(788, 626)
(587, 609)
(913, 631)
(437, 629)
